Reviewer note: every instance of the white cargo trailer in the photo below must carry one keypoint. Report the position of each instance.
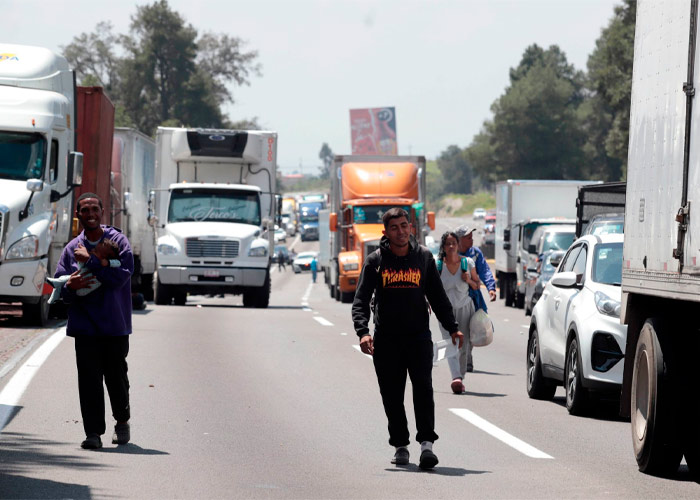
(522, 206)
(214, 207)
(661, 263)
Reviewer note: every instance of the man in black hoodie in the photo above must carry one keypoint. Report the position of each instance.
(401, 275)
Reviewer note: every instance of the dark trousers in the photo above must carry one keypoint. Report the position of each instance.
(394, 357)
(102, 358)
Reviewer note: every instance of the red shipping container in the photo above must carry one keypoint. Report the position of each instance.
(95, 129)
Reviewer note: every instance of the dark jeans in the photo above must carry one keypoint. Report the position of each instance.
(394, 357)
(102, 358)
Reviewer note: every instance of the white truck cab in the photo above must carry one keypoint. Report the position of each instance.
(213, 212)
(38, 170)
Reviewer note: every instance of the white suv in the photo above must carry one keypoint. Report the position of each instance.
(576, 338)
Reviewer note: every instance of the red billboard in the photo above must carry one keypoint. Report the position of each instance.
(373, 131)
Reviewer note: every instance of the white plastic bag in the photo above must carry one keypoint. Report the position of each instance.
(480, 329)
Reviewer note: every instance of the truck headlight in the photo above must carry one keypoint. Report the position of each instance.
(257, 252)
(607, 305)
(26, 248)
(165, 249)
(352, 266)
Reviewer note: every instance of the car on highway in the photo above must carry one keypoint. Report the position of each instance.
(302, 262)
(537, 279)
(490, 223)
(606, 224)
(575, 338)
(479, 213)
(280, 234)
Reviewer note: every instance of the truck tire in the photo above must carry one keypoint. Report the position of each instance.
(347, 297)
(258, 297)
(509, 286)
(161, 293)
(37, 314)
(538, 386)
(180, 298)
(654, 403)
(147, 287)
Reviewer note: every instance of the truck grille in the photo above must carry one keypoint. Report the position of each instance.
(211, 248)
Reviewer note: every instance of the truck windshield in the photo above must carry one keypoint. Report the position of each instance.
(214, 205)
(22, 156)
(607, 264)
(557, 241)
(372, 214)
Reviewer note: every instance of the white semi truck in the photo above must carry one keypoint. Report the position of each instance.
(38, 170)
(661, 256)
(132, 176)
(213, 210)
(521, 207)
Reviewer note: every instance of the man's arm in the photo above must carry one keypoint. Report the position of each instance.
(484, 271)
(363, 295)
(114, 277)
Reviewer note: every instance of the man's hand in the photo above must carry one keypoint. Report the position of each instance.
(81, 254)
(78, 281)
(367, 345)
(458, 336)
(492, 294)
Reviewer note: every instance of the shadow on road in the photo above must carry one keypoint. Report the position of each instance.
(26, 487)
(440, 471)
(132, 449)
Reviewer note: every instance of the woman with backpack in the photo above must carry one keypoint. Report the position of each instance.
(458, 274)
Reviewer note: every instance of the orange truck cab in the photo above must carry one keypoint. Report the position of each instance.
(363, 188)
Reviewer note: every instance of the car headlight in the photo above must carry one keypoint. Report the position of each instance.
(165, 249)
(352, 266)
(607, 305)
(26, 248)
(257, 252)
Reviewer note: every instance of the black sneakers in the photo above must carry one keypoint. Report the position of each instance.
(92, 442)
(428, 459)
(122, 433)
(400, 457)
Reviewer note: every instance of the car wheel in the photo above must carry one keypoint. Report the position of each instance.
(654, 403)
(538, 386)
(576, 394)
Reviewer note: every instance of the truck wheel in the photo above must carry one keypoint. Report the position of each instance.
(347, 297)
(332, 293)
(258, 297)
(654, 403)
(538, 386)
(180, 298)
(147, 286)
(509, 292)
(36, 314)
(161, 293)
(576, 394)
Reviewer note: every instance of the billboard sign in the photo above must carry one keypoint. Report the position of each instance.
(373, 131)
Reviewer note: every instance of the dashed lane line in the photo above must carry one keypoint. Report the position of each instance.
(499, 433)
(323, 321)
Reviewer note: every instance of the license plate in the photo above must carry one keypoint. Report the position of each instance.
(211, 273)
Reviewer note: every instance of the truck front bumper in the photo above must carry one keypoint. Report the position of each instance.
(22, 280)
(348, 283)
(207, 276)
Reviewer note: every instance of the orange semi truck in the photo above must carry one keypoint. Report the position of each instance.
(363, 188)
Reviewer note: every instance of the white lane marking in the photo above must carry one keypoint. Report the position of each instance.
(343, 333)
(11, 394)
(525, 326)
(323, 321)
(359, 349)
(506, 320)
(294, 243)
(306, 308)
(305, 297)
(499, 433)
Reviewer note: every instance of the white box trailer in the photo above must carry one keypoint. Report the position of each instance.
(38, 170)
(133, 175)
(214, 209)
(522, 206)
(661, 257)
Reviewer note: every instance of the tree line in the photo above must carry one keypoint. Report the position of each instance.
(164, 72)
(553, 121)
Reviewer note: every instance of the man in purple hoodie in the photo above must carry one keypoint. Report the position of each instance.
(100, 322)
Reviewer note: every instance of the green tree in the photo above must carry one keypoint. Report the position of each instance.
(455, 170)
(606, 117)
(326, 156)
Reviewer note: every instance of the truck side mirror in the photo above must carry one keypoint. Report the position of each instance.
(506, 246)
(431, 220)
(333, 222)
(152, 217)
(35, 185)
(506, 236)
(75, 168)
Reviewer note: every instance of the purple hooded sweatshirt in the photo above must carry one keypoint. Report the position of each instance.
(107, 309)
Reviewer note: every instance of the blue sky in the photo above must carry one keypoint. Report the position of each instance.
(441, 63)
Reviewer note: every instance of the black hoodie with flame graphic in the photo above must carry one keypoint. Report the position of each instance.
(401, 283)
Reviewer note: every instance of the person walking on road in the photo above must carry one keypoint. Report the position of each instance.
(100, 322)
(402, 275)
(458, 275)
(314, 269)
(467, 249)
(281, 261)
